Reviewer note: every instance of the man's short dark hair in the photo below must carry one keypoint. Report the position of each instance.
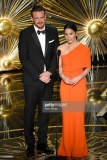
(36, 9)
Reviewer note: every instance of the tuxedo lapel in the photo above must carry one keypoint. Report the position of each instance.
(34, 36)
(47, 40)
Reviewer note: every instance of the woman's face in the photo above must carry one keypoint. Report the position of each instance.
(70, 35)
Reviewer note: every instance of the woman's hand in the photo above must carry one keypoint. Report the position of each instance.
(65, 79)
(75, 80)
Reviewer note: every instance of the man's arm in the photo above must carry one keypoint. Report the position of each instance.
(24, 59)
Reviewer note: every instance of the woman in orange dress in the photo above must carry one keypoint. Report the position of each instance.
(74, 65)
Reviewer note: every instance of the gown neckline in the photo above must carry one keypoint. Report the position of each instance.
(71, 50)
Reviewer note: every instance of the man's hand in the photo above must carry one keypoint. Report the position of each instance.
(45, 77)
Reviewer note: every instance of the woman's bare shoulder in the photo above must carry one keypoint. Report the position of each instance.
(61, 47)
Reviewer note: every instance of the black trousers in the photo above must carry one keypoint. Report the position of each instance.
(35, 96)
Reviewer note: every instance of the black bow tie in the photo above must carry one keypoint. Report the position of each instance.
(43, 32)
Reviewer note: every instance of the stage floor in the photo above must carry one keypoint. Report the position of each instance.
(15, 148)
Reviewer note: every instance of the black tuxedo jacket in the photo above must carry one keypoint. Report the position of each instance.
(31, 56)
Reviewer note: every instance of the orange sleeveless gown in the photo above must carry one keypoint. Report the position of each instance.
(73, 139)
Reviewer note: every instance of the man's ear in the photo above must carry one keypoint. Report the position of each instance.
(31, 19)
(45, 16)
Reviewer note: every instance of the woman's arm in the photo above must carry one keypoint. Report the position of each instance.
(76, 79)
(64, 78)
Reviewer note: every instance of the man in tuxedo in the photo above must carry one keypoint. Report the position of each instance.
(37, 52)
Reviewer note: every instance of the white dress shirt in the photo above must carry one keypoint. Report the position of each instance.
(42, 40)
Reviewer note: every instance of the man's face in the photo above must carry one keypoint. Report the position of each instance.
(39, 18)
